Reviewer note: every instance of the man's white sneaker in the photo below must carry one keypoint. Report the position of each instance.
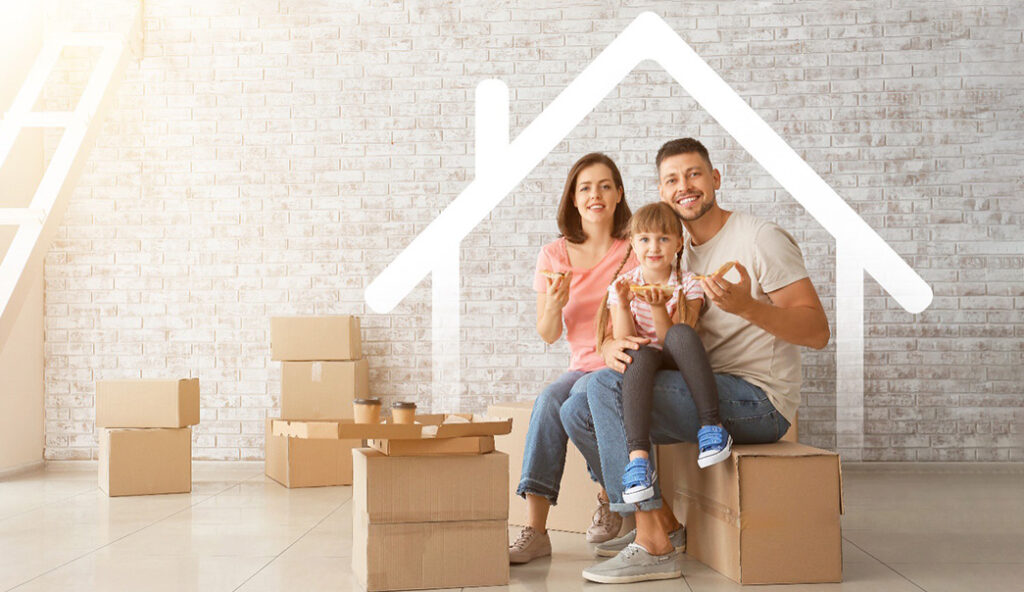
(635, 564)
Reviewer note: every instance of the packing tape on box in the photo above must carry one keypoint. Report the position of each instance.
(317, 372)
(711, 507)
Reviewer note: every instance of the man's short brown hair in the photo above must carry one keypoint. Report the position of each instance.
(682, 146)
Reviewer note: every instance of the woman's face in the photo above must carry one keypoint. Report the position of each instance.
(596, 194)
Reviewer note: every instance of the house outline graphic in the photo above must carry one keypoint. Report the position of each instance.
(501, 165)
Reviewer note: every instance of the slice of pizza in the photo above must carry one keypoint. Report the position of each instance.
(552, 275)
(649, 288)
(724, 269)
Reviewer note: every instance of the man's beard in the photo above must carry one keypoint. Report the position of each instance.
(704, 209)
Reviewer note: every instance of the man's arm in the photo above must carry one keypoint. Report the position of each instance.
(794, 315)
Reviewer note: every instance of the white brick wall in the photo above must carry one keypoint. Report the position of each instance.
(271, 157)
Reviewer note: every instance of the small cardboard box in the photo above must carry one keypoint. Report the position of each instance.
(426, 426)
(145, 461)
(311, 339)
(577, 496)
(767, 515)
(147, 403)
(299, 462)
(322, 390)
(434, 446)
(423, 555)
(429, 488)
(429, 522)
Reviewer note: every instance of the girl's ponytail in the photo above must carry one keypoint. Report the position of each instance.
(602, 312)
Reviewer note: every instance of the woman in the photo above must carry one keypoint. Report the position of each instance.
(593, 218)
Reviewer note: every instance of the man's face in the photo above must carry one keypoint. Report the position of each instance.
(688, 184)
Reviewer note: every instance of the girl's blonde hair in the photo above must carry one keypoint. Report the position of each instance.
(655, 217)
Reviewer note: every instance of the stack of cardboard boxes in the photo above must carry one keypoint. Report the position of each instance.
(429, 521)
(145, 441)
(430, 499)
(322, 371)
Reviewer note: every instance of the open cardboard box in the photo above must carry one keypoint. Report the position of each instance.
(434, 446)
(426, 426)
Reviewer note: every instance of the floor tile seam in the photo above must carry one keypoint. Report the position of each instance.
(292, 544)
(45, 504)
(122, 537)
(887, 566)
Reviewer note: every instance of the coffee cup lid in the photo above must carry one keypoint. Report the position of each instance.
(403, 405)
(367, 401)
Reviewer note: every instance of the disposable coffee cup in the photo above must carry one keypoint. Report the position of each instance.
(367, 410)
(403, 412)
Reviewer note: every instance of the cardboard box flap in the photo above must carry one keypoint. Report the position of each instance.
(780, 448)
(435, 426)
(428, 426)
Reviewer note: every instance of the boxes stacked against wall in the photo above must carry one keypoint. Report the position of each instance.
(145, 438)
(322, 372)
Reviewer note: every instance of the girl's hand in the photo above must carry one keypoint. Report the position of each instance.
(558, 292)
(622, 291)
(654, 297)
(614, 351)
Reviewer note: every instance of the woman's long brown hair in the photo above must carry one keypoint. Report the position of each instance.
(655, 217)
(569, 222)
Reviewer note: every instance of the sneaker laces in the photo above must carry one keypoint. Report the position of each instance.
(525, 538)
(603, 513)
(630, 550)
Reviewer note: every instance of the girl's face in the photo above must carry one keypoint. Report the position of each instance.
(656, 251)
(596, 194)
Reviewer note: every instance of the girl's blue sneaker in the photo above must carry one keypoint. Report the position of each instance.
(715, 445)
(637, 481)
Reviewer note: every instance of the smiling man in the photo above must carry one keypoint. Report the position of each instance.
(752, 330)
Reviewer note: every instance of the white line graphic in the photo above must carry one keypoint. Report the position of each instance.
(506, 163)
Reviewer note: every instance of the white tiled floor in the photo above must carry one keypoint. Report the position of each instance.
(907, 527)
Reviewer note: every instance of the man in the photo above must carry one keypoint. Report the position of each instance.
(752, 330)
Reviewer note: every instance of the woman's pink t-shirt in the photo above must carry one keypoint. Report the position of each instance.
(586, 291)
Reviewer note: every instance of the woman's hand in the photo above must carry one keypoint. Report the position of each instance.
(558, 293)
(622, 291)
(614, 351)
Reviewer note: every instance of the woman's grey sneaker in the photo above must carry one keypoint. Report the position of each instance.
(605, 525)
(529, 546)
(611, 548)
(635, 564)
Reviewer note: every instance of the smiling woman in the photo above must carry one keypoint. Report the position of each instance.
(572, 273)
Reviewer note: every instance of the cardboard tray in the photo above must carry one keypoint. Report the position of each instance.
(468, 445)
(427, 426)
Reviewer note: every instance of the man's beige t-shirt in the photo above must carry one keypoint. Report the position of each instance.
(736, 346)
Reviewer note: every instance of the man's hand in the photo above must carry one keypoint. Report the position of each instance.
(614, 351)
(730, 297)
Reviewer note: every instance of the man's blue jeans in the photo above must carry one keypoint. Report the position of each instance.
(596, 426)
(546, 440)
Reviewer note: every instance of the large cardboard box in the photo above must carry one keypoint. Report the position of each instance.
(300, 462)
(429, 488)
(322, 390)
(147, 403)
(423, 555)
(322, 338)
(577, 497)
(145, 461)
(767, 515)
(429, 522)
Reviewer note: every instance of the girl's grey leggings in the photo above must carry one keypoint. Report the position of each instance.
(682, 351)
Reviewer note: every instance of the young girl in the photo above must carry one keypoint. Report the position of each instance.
(646, 302)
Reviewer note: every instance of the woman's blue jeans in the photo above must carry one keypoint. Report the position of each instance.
(546, 440)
